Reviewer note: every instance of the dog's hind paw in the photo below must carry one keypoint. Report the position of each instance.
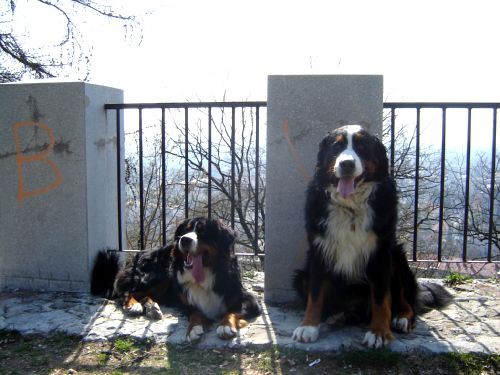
(377, 341)
(226, 332)
(134, 309)
(153, 311)
(306, 333)
(401, 324)
(195, 334)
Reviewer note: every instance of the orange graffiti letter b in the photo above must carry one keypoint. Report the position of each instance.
(41, 156)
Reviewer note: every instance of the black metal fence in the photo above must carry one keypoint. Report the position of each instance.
(219, 147)
(445, 160)
(443, 156)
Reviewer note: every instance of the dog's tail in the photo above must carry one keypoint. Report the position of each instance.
(104, 271)
(432, 296)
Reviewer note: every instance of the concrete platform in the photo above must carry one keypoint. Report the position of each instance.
(470, 324)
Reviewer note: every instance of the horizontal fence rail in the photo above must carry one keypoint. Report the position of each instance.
(209, 160)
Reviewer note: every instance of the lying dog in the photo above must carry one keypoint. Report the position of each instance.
(198, 273)
(355, 266)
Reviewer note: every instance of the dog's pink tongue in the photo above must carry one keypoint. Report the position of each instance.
(198, 273)
(346, 186)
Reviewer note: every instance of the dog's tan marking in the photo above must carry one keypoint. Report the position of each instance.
(357, 136)
(131, 301)
(314, 309)
(196, 319)
(229, 326)
(403, 318)
(233, 320)
(402, 306)
(381, 317)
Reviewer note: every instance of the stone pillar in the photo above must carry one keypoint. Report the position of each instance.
(301, 110)
(58, 201)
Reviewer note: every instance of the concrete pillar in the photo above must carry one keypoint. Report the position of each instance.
(58, 198)
(301, 110)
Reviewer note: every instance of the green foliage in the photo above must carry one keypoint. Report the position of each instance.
(468, 363)
(124, 345)
(455, 278)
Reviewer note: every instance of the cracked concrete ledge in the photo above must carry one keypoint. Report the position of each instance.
(470, 324)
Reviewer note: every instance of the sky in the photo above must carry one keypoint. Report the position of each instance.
(191, 50)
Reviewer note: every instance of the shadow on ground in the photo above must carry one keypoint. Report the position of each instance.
(471, 324)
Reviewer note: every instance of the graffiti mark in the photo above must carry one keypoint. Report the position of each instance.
(41, 156)
(295, 153)
(33, 105)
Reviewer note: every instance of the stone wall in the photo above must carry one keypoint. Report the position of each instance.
(58, 182)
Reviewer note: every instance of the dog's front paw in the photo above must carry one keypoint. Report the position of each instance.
(402, 324)
(195, 334)
(134, 309)
(306, 333)
(153, 311)
(226, 332)
(377, 340)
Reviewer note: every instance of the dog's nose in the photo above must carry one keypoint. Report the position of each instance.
(347, 167)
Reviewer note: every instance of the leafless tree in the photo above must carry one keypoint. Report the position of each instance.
(405, 173)
(18, 61)
(153, 191)
(199, 157)
(429, 195)
(219, 158)
(480, 193)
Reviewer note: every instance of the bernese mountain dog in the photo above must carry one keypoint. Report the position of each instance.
(355, 268)
(198, 273)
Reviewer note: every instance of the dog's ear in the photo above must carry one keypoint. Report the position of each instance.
(381, 156)
(181, 229)
(327, 139)
(226, 238)
(324, 145)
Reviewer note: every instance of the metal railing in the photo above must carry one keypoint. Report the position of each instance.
(229, 157)
(431, 229)
(478, 222)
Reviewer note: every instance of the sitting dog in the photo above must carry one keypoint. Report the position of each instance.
(197, 273)
(355, 266)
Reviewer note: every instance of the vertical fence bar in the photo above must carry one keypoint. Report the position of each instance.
(492, 182)
(141, 184)
(256, 214)
(467, 185)
(119, 178)
(441, 185)
(209, 162)
(417, 176)
(233, 162)
(186, 164)
(163, 183)
(393, 128)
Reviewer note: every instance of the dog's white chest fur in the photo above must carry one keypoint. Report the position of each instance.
(349, 239)
(202, 295)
